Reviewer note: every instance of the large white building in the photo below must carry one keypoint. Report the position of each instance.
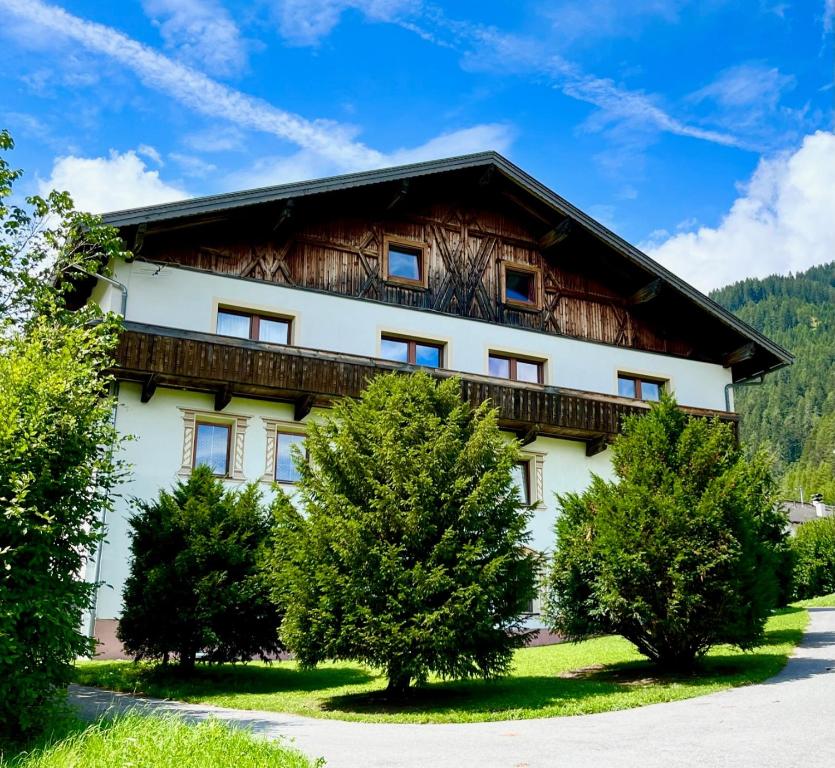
(247, 313)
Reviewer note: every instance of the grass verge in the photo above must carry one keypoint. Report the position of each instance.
(596, 675)
(143, 741)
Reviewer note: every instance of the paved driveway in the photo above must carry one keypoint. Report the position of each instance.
(787, 721)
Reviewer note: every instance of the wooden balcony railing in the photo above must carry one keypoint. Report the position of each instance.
(156, 356)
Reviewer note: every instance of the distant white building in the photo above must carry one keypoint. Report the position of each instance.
(247, 313)
(800, 512)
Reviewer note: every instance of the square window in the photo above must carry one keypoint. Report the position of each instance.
(522, 480)
(626, 387)
(405, 263)
(651, 390)
(211, 447)
(285, 468)
(395, 349)
(275, 331)
(233, 324)
(520, 286)
(428, 355)
(527, 371)
(499, 367)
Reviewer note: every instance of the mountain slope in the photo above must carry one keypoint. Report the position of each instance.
(793, 413)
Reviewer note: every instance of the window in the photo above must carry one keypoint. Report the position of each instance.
(514, 368)
(639, 388)
(285, 468)
(245, 325)
(211, 446)
(522, 480)
(405, 262)
(520, 285)
(412, 351)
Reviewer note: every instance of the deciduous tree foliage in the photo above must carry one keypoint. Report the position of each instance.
(814, 558)
(680, 552)
(408, 554)
(56, 445)
(197, 583)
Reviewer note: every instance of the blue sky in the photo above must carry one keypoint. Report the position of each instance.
(701, 131)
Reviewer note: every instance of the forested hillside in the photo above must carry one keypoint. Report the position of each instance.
(793, 413)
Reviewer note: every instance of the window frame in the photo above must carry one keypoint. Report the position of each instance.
(526, 464)
(513, 360)
(227, 425)
(255, 318)
(638, 379)
(291, 433)
(535, 272)
(412, 343)
(410, 245)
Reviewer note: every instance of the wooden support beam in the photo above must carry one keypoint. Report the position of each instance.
(596, 445)
(556, 235)
(649, 292)
(740, 354)
(223, 395)
(285, 215)
(149, 386)
(486, 178)
(401, 193)
(138, 241)
(302, 406)
(526, 437)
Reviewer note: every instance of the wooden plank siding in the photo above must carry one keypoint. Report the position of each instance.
(157, 356)
(337, 246)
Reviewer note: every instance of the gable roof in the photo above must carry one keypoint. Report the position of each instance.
(201, 206)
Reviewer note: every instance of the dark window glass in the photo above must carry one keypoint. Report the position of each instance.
(626, 387)
(395, 349)
(404, 262)
(212, 447)
(285, 468)
(519, 286)
(428, 355)
(500, 367)
(527, 371)
(521, 479)
(275, 331)
(233, 324)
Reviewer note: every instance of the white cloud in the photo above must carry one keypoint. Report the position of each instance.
(746, 85)
(306, 22)
(191, 165)
(201, 32)
(783, 221)
(101, 184)
(151, 153)
(828, 15)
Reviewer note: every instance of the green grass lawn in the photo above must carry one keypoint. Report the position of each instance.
(569, 679)
(151, 742)
(826, 601)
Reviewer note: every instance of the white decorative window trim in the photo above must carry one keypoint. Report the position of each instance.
(272, 428)
(237, 437)
(536, 466)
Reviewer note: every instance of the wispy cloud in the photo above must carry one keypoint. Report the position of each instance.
(828, 15)
(197, 91)
(201, 32)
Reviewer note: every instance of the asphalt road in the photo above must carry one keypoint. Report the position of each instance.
(787, 721)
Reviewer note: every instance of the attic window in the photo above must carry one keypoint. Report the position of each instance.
(520, 284)
(405, 262)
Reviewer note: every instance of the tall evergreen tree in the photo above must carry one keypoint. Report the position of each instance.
(409, 553)
(680, 552)
(197, 582)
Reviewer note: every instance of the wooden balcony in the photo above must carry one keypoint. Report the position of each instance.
(155, 356)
